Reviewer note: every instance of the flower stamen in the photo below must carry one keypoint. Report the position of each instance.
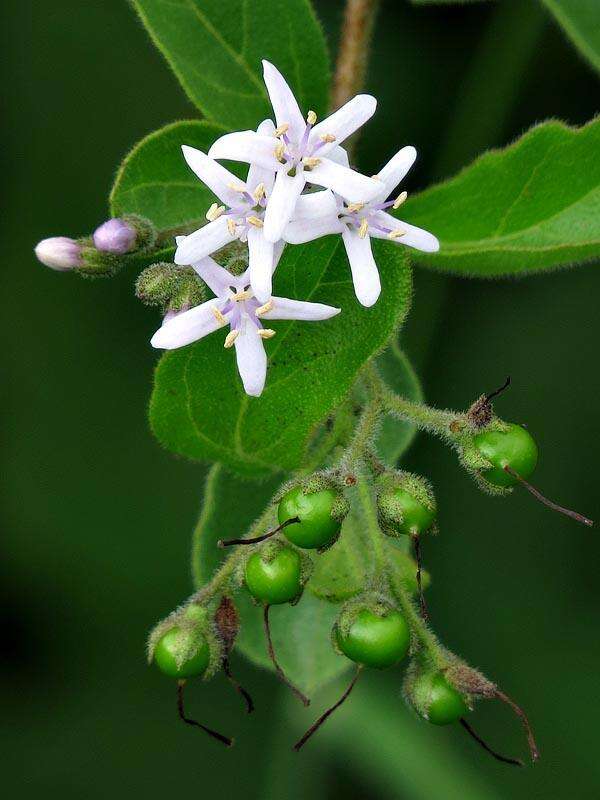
(327, 138)
(214, 212)
(281, 129)
(218, 316)
(311, 161)
(263, 309)
(396, 233)
(266, 333)
(353, 207)
(256, 221)
(259, 192)
(400, 199)
(311, 117)
(364, 228)
(231, 227)
(230, 338)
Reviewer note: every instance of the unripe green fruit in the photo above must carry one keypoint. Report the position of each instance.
(172, 644)
(416, 517)
(375, 641)
(514, 447)
(274, 580)
(316, 527)
(445, 704)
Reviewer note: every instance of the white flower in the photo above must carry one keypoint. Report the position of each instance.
(235, 305)
(241, 216)
(301, 152)
(321, 213)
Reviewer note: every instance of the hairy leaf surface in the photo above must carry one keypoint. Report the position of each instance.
(531, 206)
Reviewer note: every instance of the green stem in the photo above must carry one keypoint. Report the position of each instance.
(370, 513)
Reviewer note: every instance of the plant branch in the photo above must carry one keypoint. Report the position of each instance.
(351, 68)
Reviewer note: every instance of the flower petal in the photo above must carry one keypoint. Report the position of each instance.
(251, 359)
(343, 122)
(260, 261)
(365, 275)
(338, 155)
(283, 101)
(412, 236)
(213, 174)
(216, 277)
(203, 242)
(300, 231)
(315, 204)
(187, 327)
(278, 249)
(284, 308)
(256, 173)
(281, 204)
(346, 182)
(396, 169)
(248, 146)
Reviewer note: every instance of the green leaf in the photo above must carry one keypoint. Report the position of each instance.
(155, 182)
(215, 49)
(395, 436)
(198, 407)
(301, 633)
(533, 205)
(580, 19)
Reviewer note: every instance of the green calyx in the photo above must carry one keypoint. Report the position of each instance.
(145, 233)
(274, 574)
(170, 287)
(373, 634)
(513, 447)
(320, 508)
(433, 697)
(405, 504)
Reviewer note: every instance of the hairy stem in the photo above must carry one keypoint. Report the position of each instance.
(351, 68)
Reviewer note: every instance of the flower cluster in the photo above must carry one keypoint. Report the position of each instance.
(299, 187)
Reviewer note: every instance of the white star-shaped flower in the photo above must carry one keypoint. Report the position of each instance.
(322, 213)
(240, 217)
(235, 305)
(301, 151)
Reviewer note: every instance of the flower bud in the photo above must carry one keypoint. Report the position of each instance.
(115, 236)
(171, 288)
(59, 252)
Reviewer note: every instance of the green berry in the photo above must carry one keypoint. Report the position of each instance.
(173, 644)
(514, 447)
(276, 579)
(375, 641)
(444, 704)
(416, 517)
(316, 527)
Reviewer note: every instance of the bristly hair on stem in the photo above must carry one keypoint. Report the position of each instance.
(226, 740)
(498, 756)
(282, 676)
(545, 501)
(257, 539)
(489, 397)
(319, 722)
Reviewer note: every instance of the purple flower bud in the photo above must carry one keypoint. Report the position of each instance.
(59, 252)
(115, 236)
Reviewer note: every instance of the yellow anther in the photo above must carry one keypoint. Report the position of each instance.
(400, 199)
(311, 161)
(263, 309)
(266, 333)
(375, 177)
(230, 338)
(396, 233)
(259, 192)
(239, 296)
(311, 117)
(214, 212)
(218, 316)
(279, 151)
(327, 137)
(364, 228)
(352, 207)
(256, 221)
(231, 226)
(237, 187)
(281, 129)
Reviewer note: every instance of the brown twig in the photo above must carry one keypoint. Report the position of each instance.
(357, 29)
(229, 542)
(505, 759)
(226, 740)
(283, 677)
(533, 749)
(545, 501)
(316, 725)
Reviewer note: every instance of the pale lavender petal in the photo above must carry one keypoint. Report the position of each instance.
(256, 173)
(346, 182)
(396, 168)
(213, 174)
(187, 327)
(412, 236)
(299, 231)
(214, 275)
(251, 359)
(284, 308)
(260, 262)
(59, 252)
(343, 122)
(248, 146)
(278, 249)
(203, 242)
(315, 204)
(281, 204)
(365, 275)
(338, 155)
(283, 101)
(115, 236)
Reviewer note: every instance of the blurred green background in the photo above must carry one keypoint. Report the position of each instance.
(96, 517)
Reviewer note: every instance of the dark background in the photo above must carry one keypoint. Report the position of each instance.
(96, 517)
